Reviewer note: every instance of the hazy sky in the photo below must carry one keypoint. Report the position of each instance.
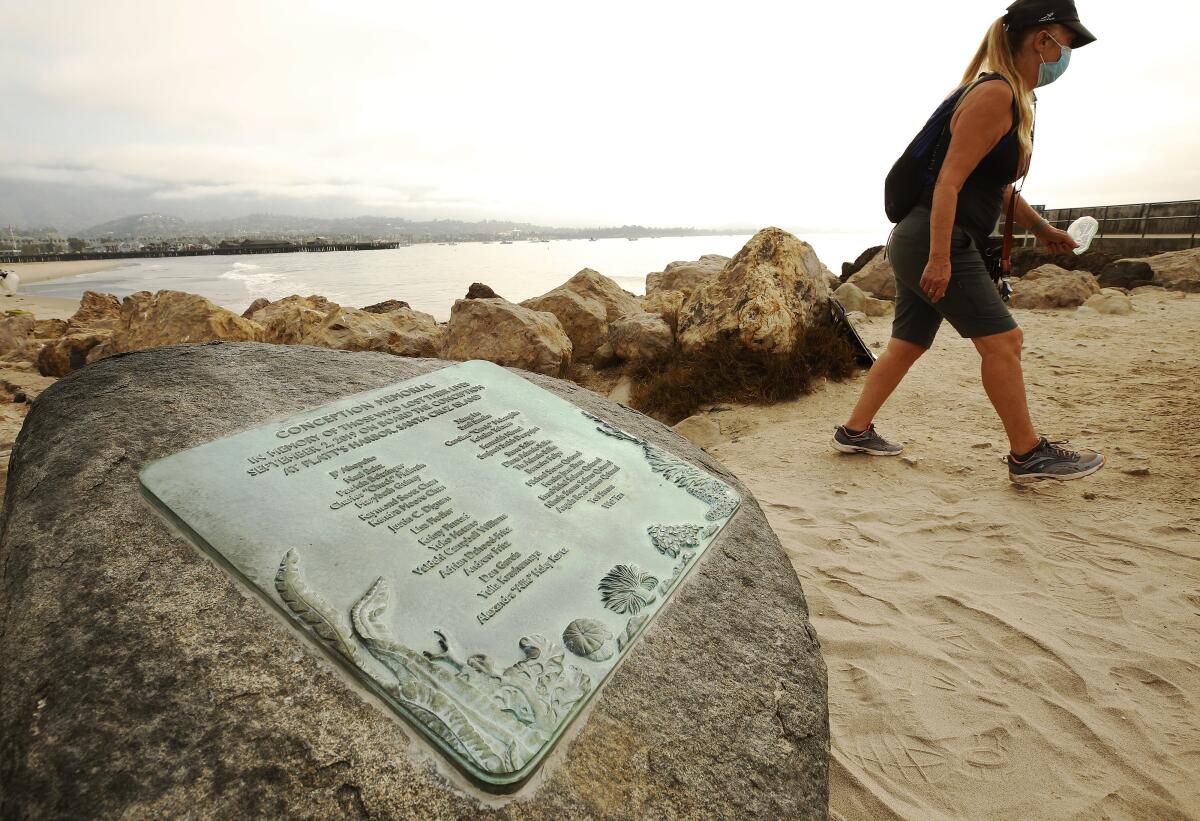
(661, 113)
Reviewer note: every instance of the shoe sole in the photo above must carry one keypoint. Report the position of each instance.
(860, 449)
(1033, 478)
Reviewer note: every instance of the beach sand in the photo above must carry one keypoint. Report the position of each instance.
(31, 272)
(50, 307)
(994, 651)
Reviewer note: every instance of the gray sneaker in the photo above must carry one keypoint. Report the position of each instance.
(866, 442)
(1049, 461)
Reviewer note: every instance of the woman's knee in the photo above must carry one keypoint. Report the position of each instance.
(1008, 343)
(903, 349)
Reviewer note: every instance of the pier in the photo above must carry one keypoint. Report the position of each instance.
(251, 247)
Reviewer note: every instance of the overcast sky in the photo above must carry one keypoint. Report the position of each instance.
(659, 113)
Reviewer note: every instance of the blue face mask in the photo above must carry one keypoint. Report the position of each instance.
(1049, 72)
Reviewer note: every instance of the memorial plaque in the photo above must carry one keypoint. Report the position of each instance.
(471, 547)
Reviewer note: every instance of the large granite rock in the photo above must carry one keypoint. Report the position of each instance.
(507, 334)
(641, 337)
(876, 276)
(314, 320)
(1049, 286)
(1109, 301)
(665, 304)
(386, 307)
(852, 298)
(69, 353)
(764, 298)
(687, 276)
(17, 341)
(1126, 273)
(1177, 270)
(584, 305)
(95, 311)
(171, 317)
(849, 269)
(138, 679)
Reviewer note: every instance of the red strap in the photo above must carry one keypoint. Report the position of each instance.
(1006, 251)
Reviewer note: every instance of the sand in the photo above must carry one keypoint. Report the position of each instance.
(50, 307)
(31, 272)
(994, 651)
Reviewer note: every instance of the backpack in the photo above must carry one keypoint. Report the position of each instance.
(920, 162)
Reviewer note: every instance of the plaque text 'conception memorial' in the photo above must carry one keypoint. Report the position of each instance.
(476, 550)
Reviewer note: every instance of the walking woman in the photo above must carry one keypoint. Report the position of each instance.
(940, 273)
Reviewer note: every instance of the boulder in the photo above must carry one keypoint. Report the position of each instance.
(876, 277)
(70, 353)
(1108, 301)
(255, 306)
(1177, 270)
(17, 342)
(477, 290)
(687, 276)
(139, 679)
(49, 328)
(507, 334)
(665, 304)
(849, 269)
(401, 331)
(1049, 286)
(171, 318)
(584, 305)
(314, 320)
(294, 320)
(95, 311)
(583, 319)
(1126, 273)
(640, 337)
(386, 307)
(604, 356)
(851, 297)
(764, 298)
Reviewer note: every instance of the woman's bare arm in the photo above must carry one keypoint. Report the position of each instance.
(981, 121)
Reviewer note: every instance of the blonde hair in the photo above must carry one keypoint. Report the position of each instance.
(998, 54)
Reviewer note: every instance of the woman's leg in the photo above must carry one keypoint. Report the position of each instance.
(882, 379)
(1005, 385)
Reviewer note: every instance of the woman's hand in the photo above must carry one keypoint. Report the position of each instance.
(936, 278)
(1054, 240)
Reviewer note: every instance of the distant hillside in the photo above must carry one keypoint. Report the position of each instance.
(150, 226)
(161, 226)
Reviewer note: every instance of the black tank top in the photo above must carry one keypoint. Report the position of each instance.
(982, 196)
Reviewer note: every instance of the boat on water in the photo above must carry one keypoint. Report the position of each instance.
(506, 242)
(631, 239)
(591, 239)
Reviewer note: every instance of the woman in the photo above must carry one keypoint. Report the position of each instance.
(939, 271)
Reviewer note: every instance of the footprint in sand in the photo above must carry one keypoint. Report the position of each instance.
(900, 758)
(1069, 548)
(985, 755)
(1161, 702)
(1074, 591)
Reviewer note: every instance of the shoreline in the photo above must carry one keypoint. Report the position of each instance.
(36, 272)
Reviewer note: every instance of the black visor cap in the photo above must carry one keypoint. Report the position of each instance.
(1025, 14)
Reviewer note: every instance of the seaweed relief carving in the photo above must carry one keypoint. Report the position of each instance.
(496, 718)
(721, 500)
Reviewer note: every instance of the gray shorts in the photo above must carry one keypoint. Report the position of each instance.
(972, 305)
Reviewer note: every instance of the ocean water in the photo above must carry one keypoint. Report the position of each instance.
(428, 276)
